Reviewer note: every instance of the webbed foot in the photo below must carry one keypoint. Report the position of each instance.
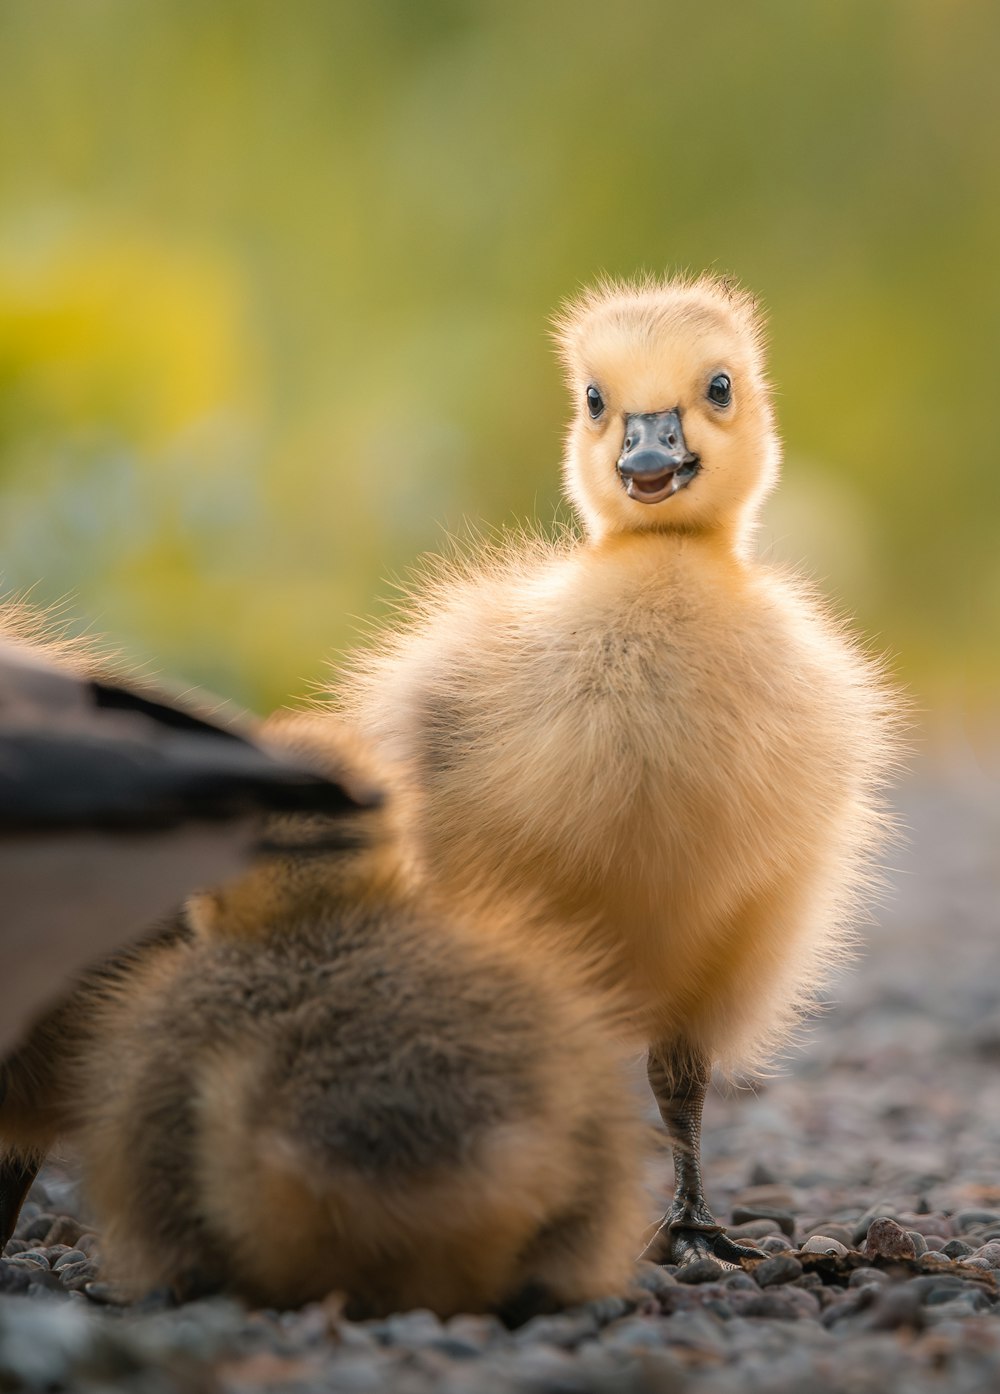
(685, 1244)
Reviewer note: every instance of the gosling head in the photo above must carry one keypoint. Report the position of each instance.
(673, 429)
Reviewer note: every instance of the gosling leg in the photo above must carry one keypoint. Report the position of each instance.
(689, 1231)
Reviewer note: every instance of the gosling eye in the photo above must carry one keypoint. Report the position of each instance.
(595, 402)
(720, 390)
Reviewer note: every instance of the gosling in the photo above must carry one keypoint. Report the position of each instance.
(650, 729)
(115, 803)
(332, 1086)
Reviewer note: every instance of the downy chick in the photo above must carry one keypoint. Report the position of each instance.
(648, 726)
(334, 1086)
(115, 803)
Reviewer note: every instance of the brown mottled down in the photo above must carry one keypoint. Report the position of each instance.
(334, 1086)
(662, 736)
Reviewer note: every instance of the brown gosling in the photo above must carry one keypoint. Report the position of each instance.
(115, 803)
(334, 1086)
(648, 727)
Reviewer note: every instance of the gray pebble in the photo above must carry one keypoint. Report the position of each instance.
(805, 1303)
(956, 1248)
(783, 1219)
(74, 1275)
(843, 1308)
(65, 1230)
(774, 1244)
(414, 1328)
(831, 1229)
(564, 1330)
(454, 1348)
(895, 1306)
(963, 1304)
(31, 1262)
(37, 1228)
(37, 1256)
(702, 1270)
(651, 1277)
(605, 1309)
(107, 1294)
(969, 1219)
(935, 1243)
(867, 1277)
(751, 1231)
(782, 1268)
(779, 1303)
(69, 1256)
(633, 1333)
(481, 1331)
(12, 1277)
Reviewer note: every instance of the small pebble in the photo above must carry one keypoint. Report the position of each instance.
(29, 1260)
(956, 1248)
(564, 1330)
(650, 1277)
(969, 1219)
(69, 1256)
(65, 1230)
(13, 1278)
(703, 1270)
(37, 1228)
(745, 1214)
(895, 1306)
(782, 1268)
(867, 1277)
(107, 1294)
(74, 1275)
(843, 1234)
(774, 1244)
(751, 1231)
(888, 1240)
(823, 1244)
(481, 1331)
(633, 1333)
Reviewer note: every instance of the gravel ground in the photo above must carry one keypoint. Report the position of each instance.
(870, 1171)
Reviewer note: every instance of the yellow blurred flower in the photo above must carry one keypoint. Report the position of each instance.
(122, 328)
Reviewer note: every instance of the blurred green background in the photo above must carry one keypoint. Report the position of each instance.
(275, 278)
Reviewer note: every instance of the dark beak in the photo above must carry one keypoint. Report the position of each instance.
(655, 461)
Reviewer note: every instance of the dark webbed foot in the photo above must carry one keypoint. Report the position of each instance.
(684, 1244)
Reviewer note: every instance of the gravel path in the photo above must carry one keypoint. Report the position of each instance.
(890, 1113)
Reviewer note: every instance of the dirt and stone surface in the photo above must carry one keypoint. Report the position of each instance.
(869, 1170)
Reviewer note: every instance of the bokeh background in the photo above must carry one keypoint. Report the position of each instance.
(275, 280)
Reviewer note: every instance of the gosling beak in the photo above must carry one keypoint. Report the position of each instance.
(655, 461)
